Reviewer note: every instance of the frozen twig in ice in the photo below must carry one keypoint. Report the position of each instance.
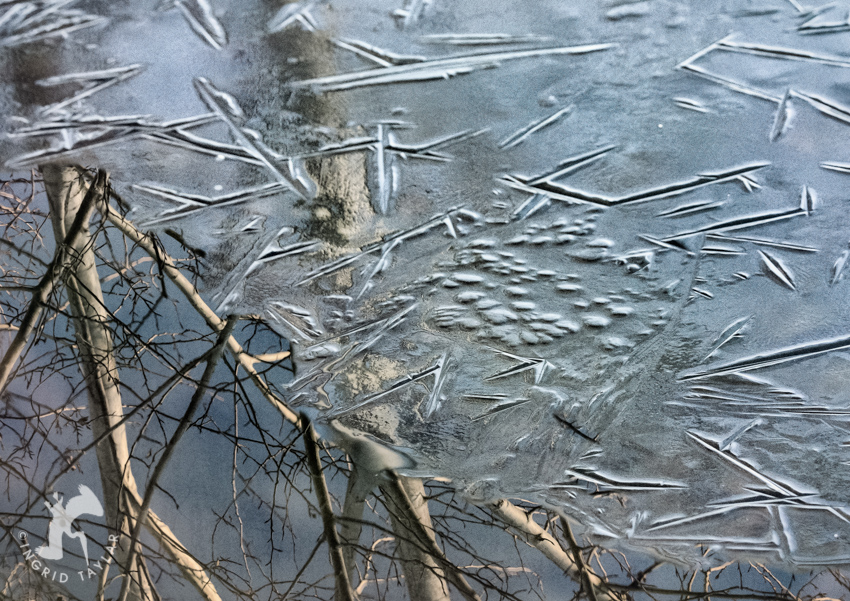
(437, 68)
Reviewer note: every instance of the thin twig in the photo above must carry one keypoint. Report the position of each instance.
(527, 529)
(54, 272)
(395, 491)
(168, 451)
(586, 582)
(183, 284)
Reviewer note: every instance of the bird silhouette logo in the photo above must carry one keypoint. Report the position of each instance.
(63, 516)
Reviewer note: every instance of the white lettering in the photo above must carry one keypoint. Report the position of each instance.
(63, 578)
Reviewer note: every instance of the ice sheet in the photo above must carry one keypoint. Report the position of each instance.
(589, 254)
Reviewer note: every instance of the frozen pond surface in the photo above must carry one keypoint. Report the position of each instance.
(589, 254)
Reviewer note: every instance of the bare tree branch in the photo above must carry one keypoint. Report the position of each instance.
(189, 566)
(425, 577)
(66, 186)
(182, 428)
(529, 531)
(586, 573)
(424, 534)
(188, 289)
(352, 513)
(311, 446)
(77, 231)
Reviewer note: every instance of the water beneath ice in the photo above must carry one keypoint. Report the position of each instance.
(590, 254)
